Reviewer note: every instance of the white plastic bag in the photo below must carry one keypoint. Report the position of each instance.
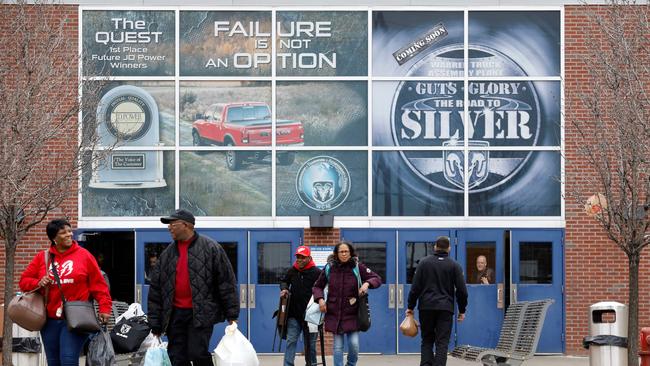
(234, 349)
(134, 309)
(156, 355)
(149, 342)
(313, 314)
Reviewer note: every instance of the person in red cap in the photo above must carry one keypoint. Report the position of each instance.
(298, 281)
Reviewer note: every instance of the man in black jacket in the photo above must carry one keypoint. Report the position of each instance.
(298, 281)
(438, 279)
(192, 288)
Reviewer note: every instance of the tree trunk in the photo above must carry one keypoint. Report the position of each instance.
(633, 315)
(10, 253)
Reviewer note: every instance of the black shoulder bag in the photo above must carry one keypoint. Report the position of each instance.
(79, 315)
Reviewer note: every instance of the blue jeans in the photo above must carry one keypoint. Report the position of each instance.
(62, 347)
(353, 348)
(294, 328)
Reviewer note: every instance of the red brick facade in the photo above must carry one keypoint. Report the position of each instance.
(595, 270)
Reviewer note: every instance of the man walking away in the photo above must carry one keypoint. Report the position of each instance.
(192, 288)
(438, 279)
(298, 281)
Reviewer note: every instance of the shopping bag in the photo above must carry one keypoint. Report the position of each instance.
(128, 334)
(100, 349)
(234, 349)
(134, 309)
(156, 355)
(312, 313)
(409, 326)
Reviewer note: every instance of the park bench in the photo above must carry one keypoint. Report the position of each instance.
(518, 340)
(123, 359)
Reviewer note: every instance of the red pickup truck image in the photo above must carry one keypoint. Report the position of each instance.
(245, 124)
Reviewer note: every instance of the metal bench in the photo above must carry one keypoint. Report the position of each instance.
(519, 336)
(123, 359)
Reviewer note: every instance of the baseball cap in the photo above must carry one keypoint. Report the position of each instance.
(178, 215)
(303, 250)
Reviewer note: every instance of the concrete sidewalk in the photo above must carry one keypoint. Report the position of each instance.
(414, 360)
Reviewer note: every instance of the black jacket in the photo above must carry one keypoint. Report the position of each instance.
(299, 284)
(212, 281)
(437, 279)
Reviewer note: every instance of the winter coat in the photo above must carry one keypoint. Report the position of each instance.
(438, 279)
(212, 281)
(341, 316)
(299, 284)
(80, 277)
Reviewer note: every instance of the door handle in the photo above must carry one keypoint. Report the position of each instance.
(251, 297)
(500, 297)
(400, 296)
(391, 296)
(514, 294)
(242, 296)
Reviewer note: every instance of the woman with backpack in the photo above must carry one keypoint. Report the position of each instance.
(346, 279)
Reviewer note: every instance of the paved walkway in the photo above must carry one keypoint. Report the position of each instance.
(414, 360)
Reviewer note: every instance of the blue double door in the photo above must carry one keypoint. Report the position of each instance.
(524, 265)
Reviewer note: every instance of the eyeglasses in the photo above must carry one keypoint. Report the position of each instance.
(344, 251)
(176, 223)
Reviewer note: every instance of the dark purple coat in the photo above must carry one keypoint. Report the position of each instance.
(341, 316)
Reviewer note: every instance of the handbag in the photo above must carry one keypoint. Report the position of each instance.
(409, 326)
(79, 315)
(29, 310)
(363, 313)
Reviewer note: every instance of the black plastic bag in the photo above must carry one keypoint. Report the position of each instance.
(100, 350)
(604, 340)
(24, 344)
(128, 334)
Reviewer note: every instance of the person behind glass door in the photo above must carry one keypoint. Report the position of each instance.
(484, 275)
(299, 280)
(81, 279)
(193, 287)
(438, 279)
(343, 292)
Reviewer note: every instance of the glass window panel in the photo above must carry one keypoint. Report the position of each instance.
(397, 52)
(208, 187)
(225, 112)
(231, 251)
(506, 189)
(373, 255)
(135, 113)
(273, 260)
(535, 262)
(322, 43)
(130, 183)
(225, 43)
(415, 251)
(417, 113)
(514, 113)
(481, 258)
(332, 113)
(151, 255)
(107, 54)
(323, 181)
(414, 183)
(514, 43)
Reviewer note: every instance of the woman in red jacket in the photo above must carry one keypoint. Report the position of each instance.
(341, 306)
(81, 279)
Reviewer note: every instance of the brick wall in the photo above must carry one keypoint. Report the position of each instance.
(596, 270)
(36, 239)
(323, 237)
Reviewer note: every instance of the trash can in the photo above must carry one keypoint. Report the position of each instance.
(607, 340)
(27, 347)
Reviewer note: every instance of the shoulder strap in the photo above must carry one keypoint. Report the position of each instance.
(357, 274)
(58, 280)
(327, 272)
(46, 254)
